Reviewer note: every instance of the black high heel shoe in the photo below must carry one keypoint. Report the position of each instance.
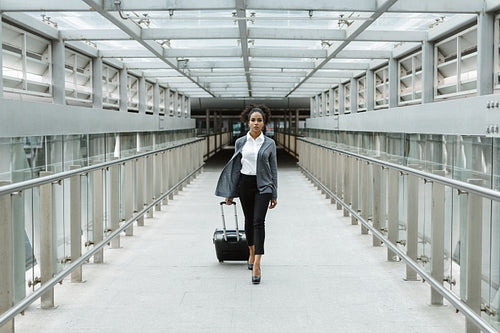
(250, 266)
(256, 279)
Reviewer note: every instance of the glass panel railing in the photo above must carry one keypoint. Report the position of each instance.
(446, 230)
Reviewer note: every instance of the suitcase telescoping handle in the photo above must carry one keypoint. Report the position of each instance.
(224, 220)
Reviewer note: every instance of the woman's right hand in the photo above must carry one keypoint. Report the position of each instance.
(229, 201)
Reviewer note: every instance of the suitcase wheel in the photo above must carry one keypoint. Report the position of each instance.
(221, 261)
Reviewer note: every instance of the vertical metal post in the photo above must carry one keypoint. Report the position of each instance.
(353, 98)
(114, 203)
(139, 189)
(370, 90)
(156, 99)
(58, 72)
(1, 61)
(378, 209)
(123, 83)
(149, 183)
(76, 222)
(171, 172)
(142, 95)
(412, 225)
(47, 255)
(128, 192)
(98, 213)
(437, 237)
(158, 180)
(427, 72)
(333, 174)
(347, 183)
(485, 52)
(341, 97)
(322, 167)
(365, 191)
(164, 175)
(393, 83)
(6, 257)
(338, 185)
(97, 82)
(355, 189)
(393, 220)
(474, 253)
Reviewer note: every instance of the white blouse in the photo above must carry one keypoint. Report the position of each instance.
(249, 154)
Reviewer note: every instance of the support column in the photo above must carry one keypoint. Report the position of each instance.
(98, 214)
(485, 53)
(166, 101)
(312, 106)
(47, 253)
(393, 220)
(317, 108)
(393, 83)
(149, 183)
(355, 189)
(176, 104)
(1, 62)
(6, 256)
(323, 104)
(365, 192)
(331, 102)
(142, 95)
(412, 225)
(341, 99)
(427, 72)
(474, 253)
(128, 192)
(338, 186)
(97, 82)
(297, 125)
(207, 126)
(437, 237)
(139, 189)
(378, 206)
(156, 99)
(76, 222)
(188, 107)
(183, 107)
(158, 179)
(370, 90)
(114, 202)
(354, 95)
(220, 130)
(347, 183)
(123, 90)
(58, 72)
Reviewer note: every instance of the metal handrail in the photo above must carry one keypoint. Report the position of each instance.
(17, 187)
(22, 305)
(452, 298)
(462, 186)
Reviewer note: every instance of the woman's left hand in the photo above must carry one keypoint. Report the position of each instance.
(273, 204)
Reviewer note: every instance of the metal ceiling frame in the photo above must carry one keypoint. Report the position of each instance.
(202, 70)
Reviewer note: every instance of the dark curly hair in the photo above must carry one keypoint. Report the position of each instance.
(245, 115)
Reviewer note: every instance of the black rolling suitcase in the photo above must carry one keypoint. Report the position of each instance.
(230, 245)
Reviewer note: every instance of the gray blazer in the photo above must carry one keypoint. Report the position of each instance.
(267, 170)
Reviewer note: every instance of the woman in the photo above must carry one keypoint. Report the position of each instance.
(252, 175)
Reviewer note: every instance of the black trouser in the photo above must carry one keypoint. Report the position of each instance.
(254, 207)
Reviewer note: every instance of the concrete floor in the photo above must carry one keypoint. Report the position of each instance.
(319, 274)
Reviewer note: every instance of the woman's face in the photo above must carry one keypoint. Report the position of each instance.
(256, 123)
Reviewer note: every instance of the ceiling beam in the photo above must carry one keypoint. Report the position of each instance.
(253, 33)
(353, 31)
(242, 26)
(136, 32)
(427, 6)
